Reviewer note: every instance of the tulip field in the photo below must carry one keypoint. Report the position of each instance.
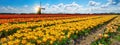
(57, 29)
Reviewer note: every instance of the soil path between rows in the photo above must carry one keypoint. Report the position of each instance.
(115, 41)
(90, 38)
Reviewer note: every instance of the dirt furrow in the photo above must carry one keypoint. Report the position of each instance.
(90, 38)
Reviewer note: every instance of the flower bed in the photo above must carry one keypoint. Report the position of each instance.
(58, 34)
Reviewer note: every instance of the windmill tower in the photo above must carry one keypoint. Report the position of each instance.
(39, 11)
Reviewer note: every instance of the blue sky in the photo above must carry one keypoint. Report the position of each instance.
(18, 6)
(60, 6)
(18, 3)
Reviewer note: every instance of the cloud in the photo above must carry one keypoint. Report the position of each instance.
(93, 3)
(111, 3)
(61, 8)
(65, 8)
(4, 8)
(77, 8)
(105, 10)
(10, 9)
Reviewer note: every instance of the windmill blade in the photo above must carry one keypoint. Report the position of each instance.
(43, 8)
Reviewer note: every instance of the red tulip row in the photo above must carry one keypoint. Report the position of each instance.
(9, 16)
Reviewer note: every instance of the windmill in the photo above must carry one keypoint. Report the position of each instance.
(39, 10)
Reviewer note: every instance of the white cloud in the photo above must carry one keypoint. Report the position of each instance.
(76, 8)
(10, 9)
(93, 3)
(62, 8)
(4, 8)
(65, 8)
(111, 2)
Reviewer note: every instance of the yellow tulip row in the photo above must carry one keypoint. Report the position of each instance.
(11, 27)
(112, 26)
(42, 35)
(110, 29)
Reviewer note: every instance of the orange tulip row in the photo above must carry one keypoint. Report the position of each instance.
(29, 19)
(15, 20)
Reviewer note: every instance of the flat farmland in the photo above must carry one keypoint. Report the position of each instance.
(58, 29)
